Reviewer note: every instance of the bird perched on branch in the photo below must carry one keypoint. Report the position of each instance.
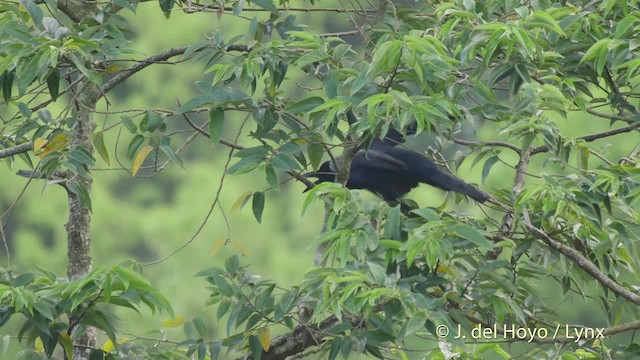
(391, 172)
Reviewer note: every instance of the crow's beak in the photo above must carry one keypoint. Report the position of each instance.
(309, 175)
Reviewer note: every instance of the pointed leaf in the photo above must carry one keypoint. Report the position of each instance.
(258, 205)
(173, 322)
(216, 124)
(218, 245)
(140, 157)
(101, 148)
(34, 11)
(53, 83)
(241, 201)
(264, 335)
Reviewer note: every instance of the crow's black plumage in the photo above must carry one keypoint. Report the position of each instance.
(391, 172)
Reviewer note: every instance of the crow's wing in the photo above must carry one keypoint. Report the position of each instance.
(377, 160)
(424, 170)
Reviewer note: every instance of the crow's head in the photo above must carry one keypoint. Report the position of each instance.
(326, 173)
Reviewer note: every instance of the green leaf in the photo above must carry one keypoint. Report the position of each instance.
(267, 5)
(80, 191)
(284, 162)
(625, 26)
(133, 147)
(166, 6)
(472, 235)
(583, 156)
(215, 348)
(7, 83)
(151, 121)
(415, 323)
(216, 124)
(82, 156)
(336, 346)
(386, 57)
(53, 83)
(487, 167)
(258, 205)
(256, 347)
(128, 123)
(392, 226)
(195, 102)
(34, 11)
(315, 150)
(79, 62)
(167, 150)
(201, 328)
(306, 105)
(597, 52)
(232, 264)
(272, 178)
(546, 21)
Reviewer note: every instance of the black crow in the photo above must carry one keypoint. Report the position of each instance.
(391, 172)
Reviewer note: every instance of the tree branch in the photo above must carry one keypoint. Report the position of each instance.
(580, 260)
(302, 337)
(489, 143)
(593, 137)
(124, 75)
(610, 116)
(18, 149)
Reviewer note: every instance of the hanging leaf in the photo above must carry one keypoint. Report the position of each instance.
(142, 154)
(219, 244)
(258, 205)
(264, 335)
(53, 83)
(78, 189)
(216, 124)
(255, 347)
(7, 83)
(101, 148)
(34, 11)
(241, 201)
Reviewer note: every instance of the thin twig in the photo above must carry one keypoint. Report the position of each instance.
(592, 137)
(213, 204)
(489, 143)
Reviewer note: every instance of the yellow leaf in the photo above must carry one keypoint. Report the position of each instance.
(238, 204)
(38, 345)
(403, 355)
(175, 322)
(57, 143)
(218, 245)
(265, 338)
(240, 248)
(137, 162)
(38, 144)
(108, 346)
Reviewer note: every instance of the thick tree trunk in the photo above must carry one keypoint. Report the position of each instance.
(79, 224)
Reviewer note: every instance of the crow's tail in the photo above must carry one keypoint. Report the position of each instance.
(449, 182)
